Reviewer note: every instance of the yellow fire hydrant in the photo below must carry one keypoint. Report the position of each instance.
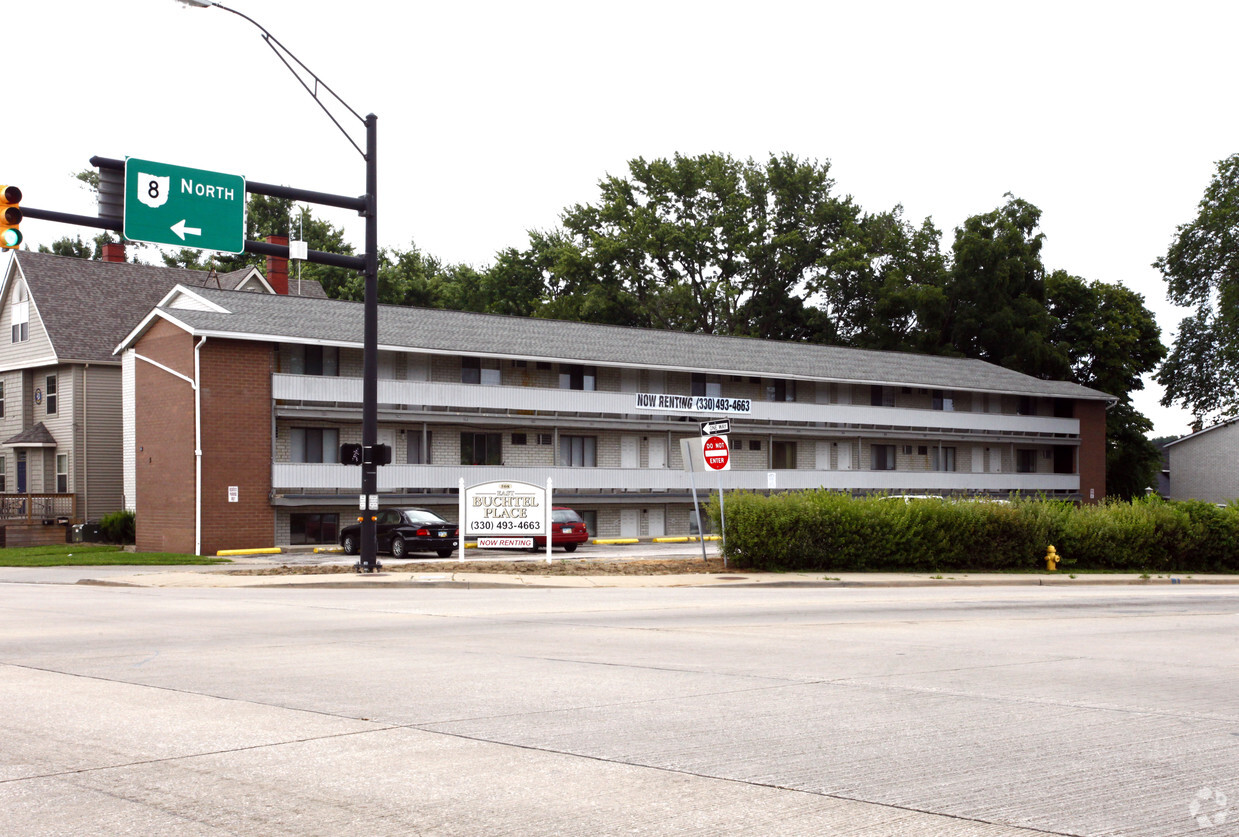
(1051, 559)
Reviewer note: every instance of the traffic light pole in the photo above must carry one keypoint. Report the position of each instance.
(370, 358)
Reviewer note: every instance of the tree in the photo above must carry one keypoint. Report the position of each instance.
(996, 292)
(1110, 339)
(885, 287)
(1201, 269)
(705, 244)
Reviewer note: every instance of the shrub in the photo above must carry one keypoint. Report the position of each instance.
(118, 527)
(832, 532)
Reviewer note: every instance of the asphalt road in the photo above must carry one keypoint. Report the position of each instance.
(957, 711)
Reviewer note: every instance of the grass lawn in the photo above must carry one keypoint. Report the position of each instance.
(93, 555)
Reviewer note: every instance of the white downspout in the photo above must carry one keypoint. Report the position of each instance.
(198, 448)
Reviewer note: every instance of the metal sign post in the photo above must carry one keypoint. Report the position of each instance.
(689, 450)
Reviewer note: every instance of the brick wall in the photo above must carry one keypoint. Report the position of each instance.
(164, 438)
(1092, 416)
(236, 445)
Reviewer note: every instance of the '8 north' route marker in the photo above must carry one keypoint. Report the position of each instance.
(184, 207)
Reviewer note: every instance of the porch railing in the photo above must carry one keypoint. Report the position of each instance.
(32, 508)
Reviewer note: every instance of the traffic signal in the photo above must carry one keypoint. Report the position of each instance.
(10, 235)
(379, 455)
(350, 454)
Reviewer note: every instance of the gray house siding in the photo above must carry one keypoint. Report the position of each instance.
(100, 483)
(1203, 465)
(37, 348)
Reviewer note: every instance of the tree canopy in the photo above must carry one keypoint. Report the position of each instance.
(1201, 269)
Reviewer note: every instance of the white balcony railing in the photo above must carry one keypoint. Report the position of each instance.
(503, 398)
(310, 478)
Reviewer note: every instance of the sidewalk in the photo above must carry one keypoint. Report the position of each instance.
(404, 577)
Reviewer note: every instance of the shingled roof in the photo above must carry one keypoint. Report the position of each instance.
(334, 322)
(88, 306)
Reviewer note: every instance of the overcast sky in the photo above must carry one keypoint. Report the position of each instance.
(494, 117)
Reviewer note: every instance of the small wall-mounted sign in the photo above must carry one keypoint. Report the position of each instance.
(234, 494)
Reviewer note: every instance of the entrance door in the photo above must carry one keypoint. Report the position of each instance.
(658, 452)
(978, 459)
(658, 522)
(845, 456)
(630, 452)
(630, 523)
(823, 456)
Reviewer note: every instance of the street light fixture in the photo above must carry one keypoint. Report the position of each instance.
(370, 362)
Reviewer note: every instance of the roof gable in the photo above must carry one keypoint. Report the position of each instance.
(87, 307)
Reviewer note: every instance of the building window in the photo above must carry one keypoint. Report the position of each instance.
(546, 439)
(754, 444)
(1, 399)
(944, 459)
(62, 473)
(707, 385)
(314, 444)
(21, 316)
(880, 396)
(477, 370)
(943, 401)
(417, 449)
(1026, 462)
(313, 527)
(781, 390)
(576, 376)
(783, 455)
(520, 439)
(51, 395)
(1028, 405)
(578, 451)
(4, 486)
(311, 360)
(882, 457)
(481, 448)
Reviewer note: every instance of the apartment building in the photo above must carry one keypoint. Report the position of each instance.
(242, 401)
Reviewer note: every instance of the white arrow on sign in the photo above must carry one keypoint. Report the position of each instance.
(181, 230)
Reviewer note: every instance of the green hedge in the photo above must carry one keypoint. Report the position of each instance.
(827, 531)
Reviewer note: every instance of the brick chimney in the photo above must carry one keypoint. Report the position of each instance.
(277, 267)
(114, 252)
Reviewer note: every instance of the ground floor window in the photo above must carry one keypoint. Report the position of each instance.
(314, 444)
(481, 448)
(783, 455)
(1026, 461)
(578, 451)
(313, 527)
(62, 473)
(882, 457)
(944, 459)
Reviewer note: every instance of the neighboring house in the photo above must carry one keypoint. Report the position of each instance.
(61, 423)
(1202, 466)
(243, 401)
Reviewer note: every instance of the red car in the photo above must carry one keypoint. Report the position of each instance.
(567, 530)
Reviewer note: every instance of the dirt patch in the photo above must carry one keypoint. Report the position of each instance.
(570, 566)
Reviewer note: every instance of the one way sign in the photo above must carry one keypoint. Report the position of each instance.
(718, 427)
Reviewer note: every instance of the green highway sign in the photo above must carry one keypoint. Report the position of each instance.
(184, 207)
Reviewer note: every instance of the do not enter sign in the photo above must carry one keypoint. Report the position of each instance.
(714, 449)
